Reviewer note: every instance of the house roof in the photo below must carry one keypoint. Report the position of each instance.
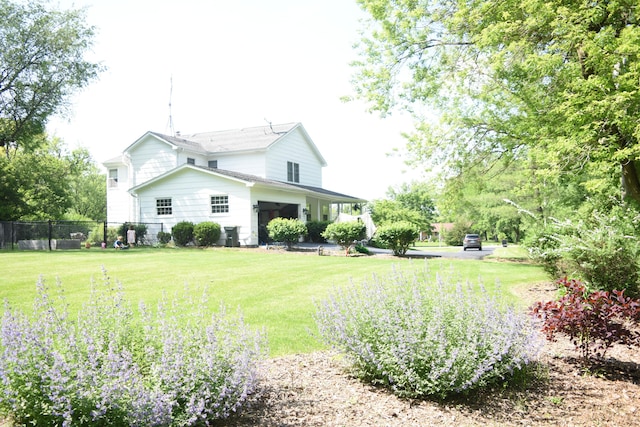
(246, 139)
(256, 138)
(256, 180)
(178, 141)
(441, 227)
(113, 161)
(328, 192)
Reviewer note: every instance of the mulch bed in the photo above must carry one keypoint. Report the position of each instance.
(316, 390)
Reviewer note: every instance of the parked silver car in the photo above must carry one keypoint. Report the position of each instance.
(472, 241)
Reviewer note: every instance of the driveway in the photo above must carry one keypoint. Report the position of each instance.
(445, 252)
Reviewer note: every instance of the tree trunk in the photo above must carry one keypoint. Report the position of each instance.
(630, 181)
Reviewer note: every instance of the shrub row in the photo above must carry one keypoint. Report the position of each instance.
(204, 233)
(397, 237)
(286, 230)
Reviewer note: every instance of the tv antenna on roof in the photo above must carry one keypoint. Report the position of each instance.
(171, 130)
(270, 125)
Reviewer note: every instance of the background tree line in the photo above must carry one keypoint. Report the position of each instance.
(537, 105)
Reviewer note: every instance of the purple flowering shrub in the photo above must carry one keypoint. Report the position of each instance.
(425, 339)
(109, 366)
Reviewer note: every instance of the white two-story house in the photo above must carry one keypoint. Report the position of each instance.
(240, 179)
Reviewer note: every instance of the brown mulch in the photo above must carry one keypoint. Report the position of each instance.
(316, 390)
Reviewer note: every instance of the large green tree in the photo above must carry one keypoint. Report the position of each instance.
(494, 198)
(416, 196)
(553, 83)
(391, 211)
(51, 183)
(42, 64)
(87, 184)
(35, 184)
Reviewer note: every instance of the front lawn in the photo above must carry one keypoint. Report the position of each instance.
(273, 289)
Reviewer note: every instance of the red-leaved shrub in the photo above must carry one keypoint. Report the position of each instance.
(594, 321)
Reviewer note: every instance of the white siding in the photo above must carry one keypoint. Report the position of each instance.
(119, 201)
(294, 148)
(261, 194)
(190, 192)
(150, 158)
(118, 206)
(183, 156)
(249, 163)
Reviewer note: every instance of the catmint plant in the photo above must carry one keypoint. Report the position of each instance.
(179, 365)
(422, 338)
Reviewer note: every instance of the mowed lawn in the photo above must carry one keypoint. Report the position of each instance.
(274, 290)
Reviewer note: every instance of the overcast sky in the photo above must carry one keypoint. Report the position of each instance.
(234, 64)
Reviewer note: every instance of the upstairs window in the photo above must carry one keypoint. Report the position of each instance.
(293, 172)
(213, 164)
(164, 207)
(191, 161)
(219, 204)
(113, 178)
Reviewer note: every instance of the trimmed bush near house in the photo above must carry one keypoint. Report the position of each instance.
(315, 230)
(164, 237)
(109, 367)
(207, 233)
(422, 338)
(287, 230)
(182, 233)
(397, 237)
(345, 233)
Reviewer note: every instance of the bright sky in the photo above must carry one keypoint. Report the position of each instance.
(234, 64)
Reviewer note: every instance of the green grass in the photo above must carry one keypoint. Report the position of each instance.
(511, 252)
(274, 290)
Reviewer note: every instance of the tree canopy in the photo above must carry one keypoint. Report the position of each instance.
(411, 203)
(41, 65)
(51, 183)
(550, 84)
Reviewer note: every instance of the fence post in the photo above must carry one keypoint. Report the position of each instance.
(104, 235)
(50, 233)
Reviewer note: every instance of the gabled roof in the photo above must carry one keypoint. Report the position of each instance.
(114, 161)
(251, 180)
(246, 139)
(179, 141)
(171, 140)
(257, 138)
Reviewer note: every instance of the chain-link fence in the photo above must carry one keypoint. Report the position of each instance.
(51, 235)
